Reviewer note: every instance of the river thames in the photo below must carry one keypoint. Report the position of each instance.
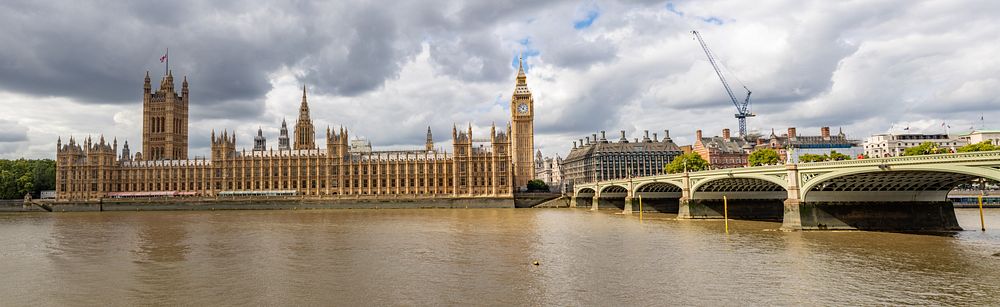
(480, 257)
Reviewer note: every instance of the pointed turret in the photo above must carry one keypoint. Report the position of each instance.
(184, 86)
(168, 82)
(146, 87)
(283, 137)
(259, 142)
(429, 143)
(521, 77)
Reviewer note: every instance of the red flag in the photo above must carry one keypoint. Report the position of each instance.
(163, 58)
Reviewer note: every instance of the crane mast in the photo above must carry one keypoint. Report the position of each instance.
(742, 108)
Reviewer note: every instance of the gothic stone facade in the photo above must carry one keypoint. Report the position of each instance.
(477, 167)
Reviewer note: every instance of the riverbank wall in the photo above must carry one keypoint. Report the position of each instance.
(257, 204)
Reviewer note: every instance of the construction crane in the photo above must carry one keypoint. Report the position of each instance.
(742, 109)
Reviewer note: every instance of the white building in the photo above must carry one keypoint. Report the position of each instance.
(978, 136)
(549, 170)
(893, 145)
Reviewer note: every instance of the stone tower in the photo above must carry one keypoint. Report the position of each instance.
(259, 142)
(305, 135)
(429, 144)
(283, 137)
(522, 111)
(165, 120)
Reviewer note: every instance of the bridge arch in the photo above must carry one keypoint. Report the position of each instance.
(613, 189)
(585, 190)
(583, 197)
(658, 196)
(743, 196)
(657, 186)
(748, 182)
(885, 197)
(897, 183)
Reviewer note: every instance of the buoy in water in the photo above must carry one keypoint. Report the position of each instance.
(535, 262)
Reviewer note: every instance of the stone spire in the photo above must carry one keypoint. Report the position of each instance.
(283, 137)
(522, 79)
(259, 142)
(126, 155)
(146, 87)
(168, 82)
(305, 134)
(429, 144)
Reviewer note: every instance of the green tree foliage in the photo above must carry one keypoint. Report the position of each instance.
(927, 148)
(765, 156)
(833, 156)
(836, 156)
(537, 185)
(806, 158)
(691, 161)
(19, 177)
(981, 146)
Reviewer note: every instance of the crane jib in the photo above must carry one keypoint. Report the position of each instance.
(742, 108)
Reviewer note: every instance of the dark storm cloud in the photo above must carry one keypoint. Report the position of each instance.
(410, 64)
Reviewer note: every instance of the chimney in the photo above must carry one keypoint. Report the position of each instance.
(646, 138)
(791, 132)
(825, 132)
(697, 135)
(588, 140)
(725, 133)
(666, 136)
(595, 136)
(623, 139)
(574, 144)
(655, 139)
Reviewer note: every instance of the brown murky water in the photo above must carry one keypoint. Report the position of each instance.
(480, 257)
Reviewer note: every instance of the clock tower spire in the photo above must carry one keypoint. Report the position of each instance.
(522, 111)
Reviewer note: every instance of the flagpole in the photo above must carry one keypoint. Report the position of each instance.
(167, 67)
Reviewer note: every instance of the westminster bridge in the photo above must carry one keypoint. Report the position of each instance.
(896, 194)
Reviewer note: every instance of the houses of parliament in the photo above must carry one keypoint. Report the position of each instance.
(495, 164)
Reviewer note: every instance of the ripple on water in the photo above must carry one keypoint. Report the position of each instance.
(481, 257)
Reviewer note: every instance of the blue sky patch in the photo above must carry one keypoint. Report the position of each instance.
(587, 20)
(673, 9)
(712, 20)
(527, 52)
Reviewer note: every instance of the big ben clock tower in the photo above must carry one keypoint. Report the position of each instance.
(522, 113)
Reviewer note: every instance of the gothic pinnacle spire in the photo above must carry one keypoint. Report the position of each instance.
(520, 67)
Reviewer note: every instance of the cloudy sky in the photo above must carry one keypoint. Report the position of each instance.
(388, 71)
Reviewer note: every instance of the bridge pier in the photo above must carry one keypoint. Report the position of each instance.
(628, 205)
(870, 215)
(750, 209)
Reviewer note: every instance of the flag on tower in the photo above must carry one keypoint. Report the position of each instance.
(163, 58)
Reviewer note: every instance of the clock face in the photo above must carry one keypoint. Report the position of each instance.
(522, 108)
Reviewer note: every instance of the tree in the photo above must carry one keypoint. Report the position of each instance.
(691, 162)
(19, 177)
(537, 185)
(927, 148)
(806, 158)
(765, 156)
(836, 156)
(981, 146)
